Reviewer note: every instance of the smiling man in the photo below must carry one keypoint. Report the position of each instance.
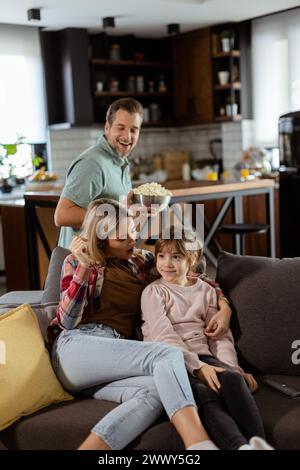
(101, 170)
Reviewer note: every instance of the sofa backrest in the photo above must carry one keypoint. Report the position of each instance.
(265, 297)
(52, 284)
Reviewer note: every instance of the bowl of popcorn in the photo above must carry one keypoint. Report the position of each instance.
(152, 194)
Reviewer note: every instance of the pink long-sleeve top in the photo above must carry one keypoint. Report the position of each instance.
(178, 315)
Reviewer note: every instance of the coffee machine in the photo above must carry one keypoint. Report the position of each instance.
(289, 180)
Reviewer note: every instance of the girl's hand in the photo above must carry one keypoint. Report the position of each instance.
(251, 382)
(219, 323)
(79, 250)
(208, 375)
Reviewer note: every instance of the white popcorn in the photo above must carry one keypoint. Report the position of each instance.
(152, 189)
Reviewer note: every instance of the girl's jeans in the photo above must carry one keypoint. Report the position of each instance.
(138, 375)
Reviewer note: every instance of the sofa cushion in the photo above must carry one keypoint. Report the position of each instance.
(280, 414)
(26, 372)
(44, 313)
(266, 300)
(66, 425)
(52, 284)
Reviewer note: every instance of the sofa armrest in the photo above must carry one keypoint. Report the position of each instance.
(22, 297)
(52, 284)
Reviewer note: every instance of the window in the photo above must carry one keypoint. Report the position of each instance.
(22, 100)
(276, 72)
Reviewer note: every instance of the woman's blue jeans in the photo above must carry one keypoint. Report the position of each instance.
(141, 376)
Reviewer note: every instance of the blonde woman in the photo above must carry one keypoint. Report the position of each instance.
(101, 285)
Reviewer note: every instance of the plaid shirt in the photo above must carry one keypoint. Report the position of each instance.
(80, 288)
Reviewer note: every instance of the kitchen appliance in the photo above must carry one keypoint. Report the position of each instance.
(289, 181)
(216, 151)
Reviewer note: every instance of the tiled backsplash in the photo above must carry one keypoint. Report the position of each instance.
(65, 145)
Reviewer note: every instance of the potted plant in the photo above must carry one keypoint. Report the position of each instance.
(16, 161)
(227, 40)
(7, 167)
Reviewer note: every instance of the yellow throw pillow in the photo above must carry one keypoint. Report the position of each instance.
(27, 380)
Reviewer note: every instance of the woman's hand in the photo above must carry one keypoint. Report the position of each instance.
(251, 382)
(219, 323)
(79, 250)
(208, 375)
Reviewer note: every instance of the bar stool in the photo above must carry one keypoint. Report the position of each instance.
(242, 229)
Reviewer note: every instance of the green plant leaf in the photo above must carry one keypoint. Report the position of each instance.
(37, 160)
(11, 149)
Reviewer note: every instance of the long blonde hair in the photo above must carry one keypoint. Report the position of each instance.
(101, 222)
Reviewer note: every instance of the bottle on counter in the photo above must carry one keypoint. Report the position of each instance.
(186, 171)
(157, 162)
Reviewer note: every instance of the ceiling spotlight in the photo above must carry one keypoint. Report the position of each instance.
(34, 14)
(173, 28)
(108, 22)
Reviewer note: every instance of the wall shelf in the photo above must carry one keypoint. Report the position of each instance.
(238, 117)
(233, 53)
(130, 63)
(229, 86)
(226, 73)
(132, 94)
(127, 66)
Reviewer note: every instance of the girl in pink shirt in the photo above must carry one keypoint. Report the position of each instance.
(176, 309)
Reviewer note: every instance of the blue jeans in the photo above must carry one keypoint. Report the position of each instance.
(139, 375)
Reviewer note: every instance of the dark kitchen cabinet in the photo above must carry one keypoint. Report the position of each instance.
(193, 77)
(67, 76)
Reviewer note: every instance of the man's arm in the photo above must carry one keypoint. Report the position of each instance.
(68, 214)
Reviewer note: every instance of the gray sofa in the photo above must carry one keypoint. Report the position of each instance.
(266, 321)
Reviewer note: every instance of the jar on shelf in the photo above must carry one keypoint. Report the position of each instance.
(151, 86)
(115, 52)
(140, 84)
(114, 86)
(131, 83)
(146, 116)
(162, 88)
(155, 112)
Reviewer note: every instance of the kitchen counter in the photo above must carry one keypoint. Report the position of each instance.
(190, 188)
(48, 191)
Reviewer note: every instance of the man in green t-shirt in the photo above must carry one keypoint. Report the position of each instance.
(102, 170)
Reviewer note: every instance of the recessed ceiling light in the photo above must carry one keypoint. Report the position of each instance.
(173, 28)
(108, 22)
(34, 14)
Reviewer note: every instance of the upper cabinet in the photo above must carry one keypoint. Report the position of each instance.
(198, 77)
(137, 67)
(230, 51)
(67, 77)
(193, 77)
